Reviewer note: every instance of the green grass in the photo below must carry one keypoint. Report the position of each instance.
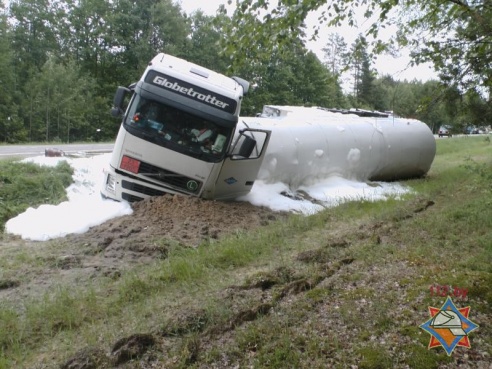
(346, 287)
(23, 185)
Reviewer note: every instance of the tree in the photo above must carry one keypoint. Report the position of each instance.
(59, 104)
(359, 64)
(456, 37)
(11, 127)
(453, 34)
(6, 82)
(336, 55)
(316, 85)
(293, 77)
(52, 49)
(432, 98)
(114, 41)
(34, 35)
(87, 35)
(478, 112)
(204, 41)
(143, 28)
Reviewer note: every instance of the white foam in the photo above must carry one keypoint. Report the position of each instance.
(85, 208)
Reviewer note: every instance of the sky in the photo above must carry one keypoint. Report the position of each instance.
(398, 68)
(85, 208)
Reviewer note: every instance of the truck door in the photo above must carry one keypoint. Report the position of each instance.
(240, 168)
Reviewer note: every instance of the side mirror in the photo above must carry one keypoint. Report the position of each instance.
(119, 98)
(250, 144)
(247, 147)
(116, 112)
(243, 83)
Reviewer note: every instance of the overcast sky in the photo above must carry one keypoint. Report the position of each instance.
(397, 68)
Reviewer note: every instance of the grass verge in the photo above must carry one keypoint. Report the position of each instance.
(346, 287)
(27, 184)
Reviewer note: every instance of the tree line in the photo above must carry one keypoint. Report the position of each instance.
(61, 61)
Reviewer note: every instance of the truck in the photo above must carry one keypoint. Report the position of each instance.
(182, 133)
(179, 135)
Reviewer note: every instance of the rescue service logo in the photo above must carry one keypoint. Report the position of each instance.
(449, 326)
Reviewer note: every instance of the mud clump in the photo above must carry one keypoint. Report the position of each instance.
(132, 347)
(184, 220)
(88, 358)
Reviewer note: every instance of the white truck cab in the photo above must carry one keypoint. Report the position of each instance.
(179, 135)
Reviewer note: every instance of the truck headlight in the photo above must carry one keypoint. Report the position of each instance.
(111, 184)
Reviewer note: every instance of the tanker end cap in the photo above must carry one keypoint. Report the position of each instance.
(243, 83)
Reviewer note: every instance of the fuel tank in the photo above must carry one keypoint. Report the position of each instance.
(308, 144)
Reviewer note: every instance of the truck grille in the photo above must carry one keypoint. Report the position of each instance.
(172, 180)
(149, 191)
(130, 198)
(169, 178)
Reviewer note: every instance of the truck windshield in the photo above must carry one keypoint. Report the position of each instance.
(177, 130)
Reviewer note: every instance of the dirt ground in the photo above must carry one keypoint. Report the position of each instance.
(161, 223)
(156, 225)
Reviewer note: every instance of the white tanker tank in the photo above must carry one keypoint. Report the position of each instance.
(308, 144)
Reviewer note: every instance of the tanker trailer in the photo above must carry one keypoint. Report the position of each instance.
(308, 144)
(181, 133)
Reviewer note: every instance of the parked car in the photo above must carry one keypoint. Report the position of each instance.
(444, 131)
(472, 130)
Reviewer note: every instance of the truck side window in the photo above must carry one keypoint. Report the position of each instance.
(249, 145)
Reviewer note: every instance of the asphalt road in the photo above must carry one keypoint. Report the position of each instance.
(22, 151)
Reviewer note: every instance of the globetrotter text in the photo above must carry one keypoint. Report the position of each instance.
(189, 92)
